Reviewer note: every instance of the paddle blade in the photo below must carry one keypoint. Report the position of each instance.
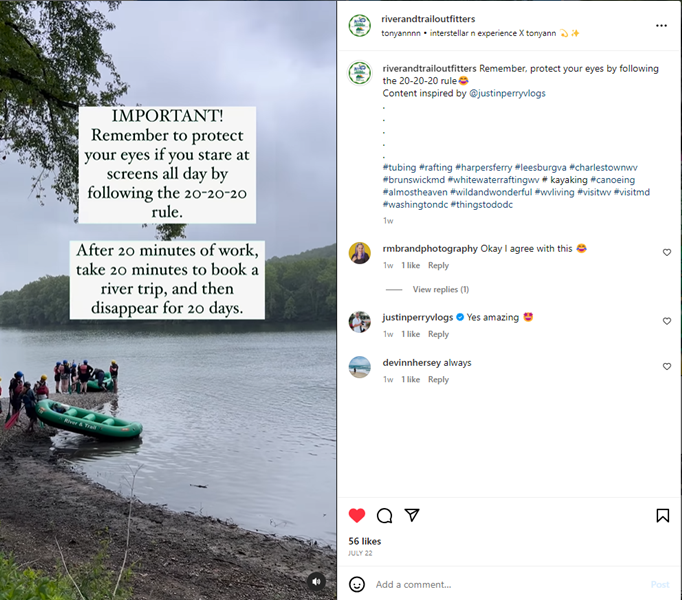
(13, 420)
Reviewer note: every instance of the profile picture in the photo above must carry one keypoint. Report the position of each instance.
(359, 322)
(359, 367)
(359, 253)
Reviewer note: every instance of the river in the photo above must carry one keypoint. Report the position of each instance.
(251, 416)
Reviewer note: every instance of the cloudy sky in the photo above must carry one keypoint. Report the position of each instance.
(277, 56)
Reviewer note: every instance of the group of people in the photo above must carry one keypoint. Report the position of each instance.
(67, 376)
(20, 391)
(70, 376)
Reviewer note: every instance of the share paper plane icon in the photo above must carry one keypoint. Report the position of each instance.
(412, 513)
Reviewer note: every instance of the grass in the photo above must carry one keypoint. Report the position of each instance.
(92, 581)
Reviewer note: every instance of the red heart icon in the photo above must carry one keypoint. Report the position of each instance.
(357, 514)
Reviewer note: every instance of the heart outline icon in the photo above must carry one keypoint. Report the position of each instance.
(667, 251)
(667, 320)
(357, 514)
(666, 366)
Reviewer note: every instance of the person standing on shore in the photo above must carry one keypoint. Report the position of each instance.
(64, 376)
(74, 376)
(15, 391)
(57, 376)
(29, 399)
(43, 391)
(84, 372)
(113, 369)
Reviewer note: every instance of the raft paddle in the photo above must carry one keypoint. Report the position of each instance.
(14, 419)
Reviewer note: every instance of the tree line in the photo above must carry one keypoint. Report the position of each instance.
(299, 288)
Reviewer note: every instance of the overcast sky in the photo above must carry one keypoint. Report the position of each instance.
(276, 56)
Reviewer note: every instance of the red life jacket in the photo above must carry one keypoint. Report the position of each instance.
(83, 369)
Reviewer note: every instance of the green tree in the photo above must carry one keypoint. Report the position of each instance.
(290, 309)
(52, 62)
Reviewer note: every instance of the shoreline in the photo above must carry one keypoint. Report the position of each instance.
(174, 555)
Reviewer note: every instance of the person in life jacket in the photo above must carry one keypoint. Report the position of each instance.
(84, 372)
(16, 391)
(42, 391)
(57, 376)
(64, 376)
(113, 369)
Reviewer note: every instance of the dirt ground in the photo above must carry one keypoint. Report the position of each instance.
(174, 555)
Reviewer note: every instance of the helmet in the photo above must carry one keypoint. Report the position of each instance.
(43, 377)
(113, 362)
(57, 364)
(85, 362)
(66, 362)
(19, 374)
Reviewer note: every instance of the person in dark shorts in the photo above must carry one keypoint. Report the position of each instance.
(84, 372)
(113, 369)
(29, 400)
(16, 389)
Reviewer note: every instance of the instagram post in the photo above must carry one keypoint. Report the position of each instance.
(168, 300)
(517, 386)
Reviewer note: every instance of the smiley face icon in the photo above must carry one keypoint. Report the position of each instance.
(357, 584)
(463, 80)
(581, 248)
(527, 317)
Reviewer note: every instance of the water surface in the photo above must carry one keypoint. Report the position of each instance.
(250, 415)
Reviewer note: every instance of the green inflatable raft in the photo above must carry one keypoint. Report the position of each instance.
(87, 422)
(108, 383)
